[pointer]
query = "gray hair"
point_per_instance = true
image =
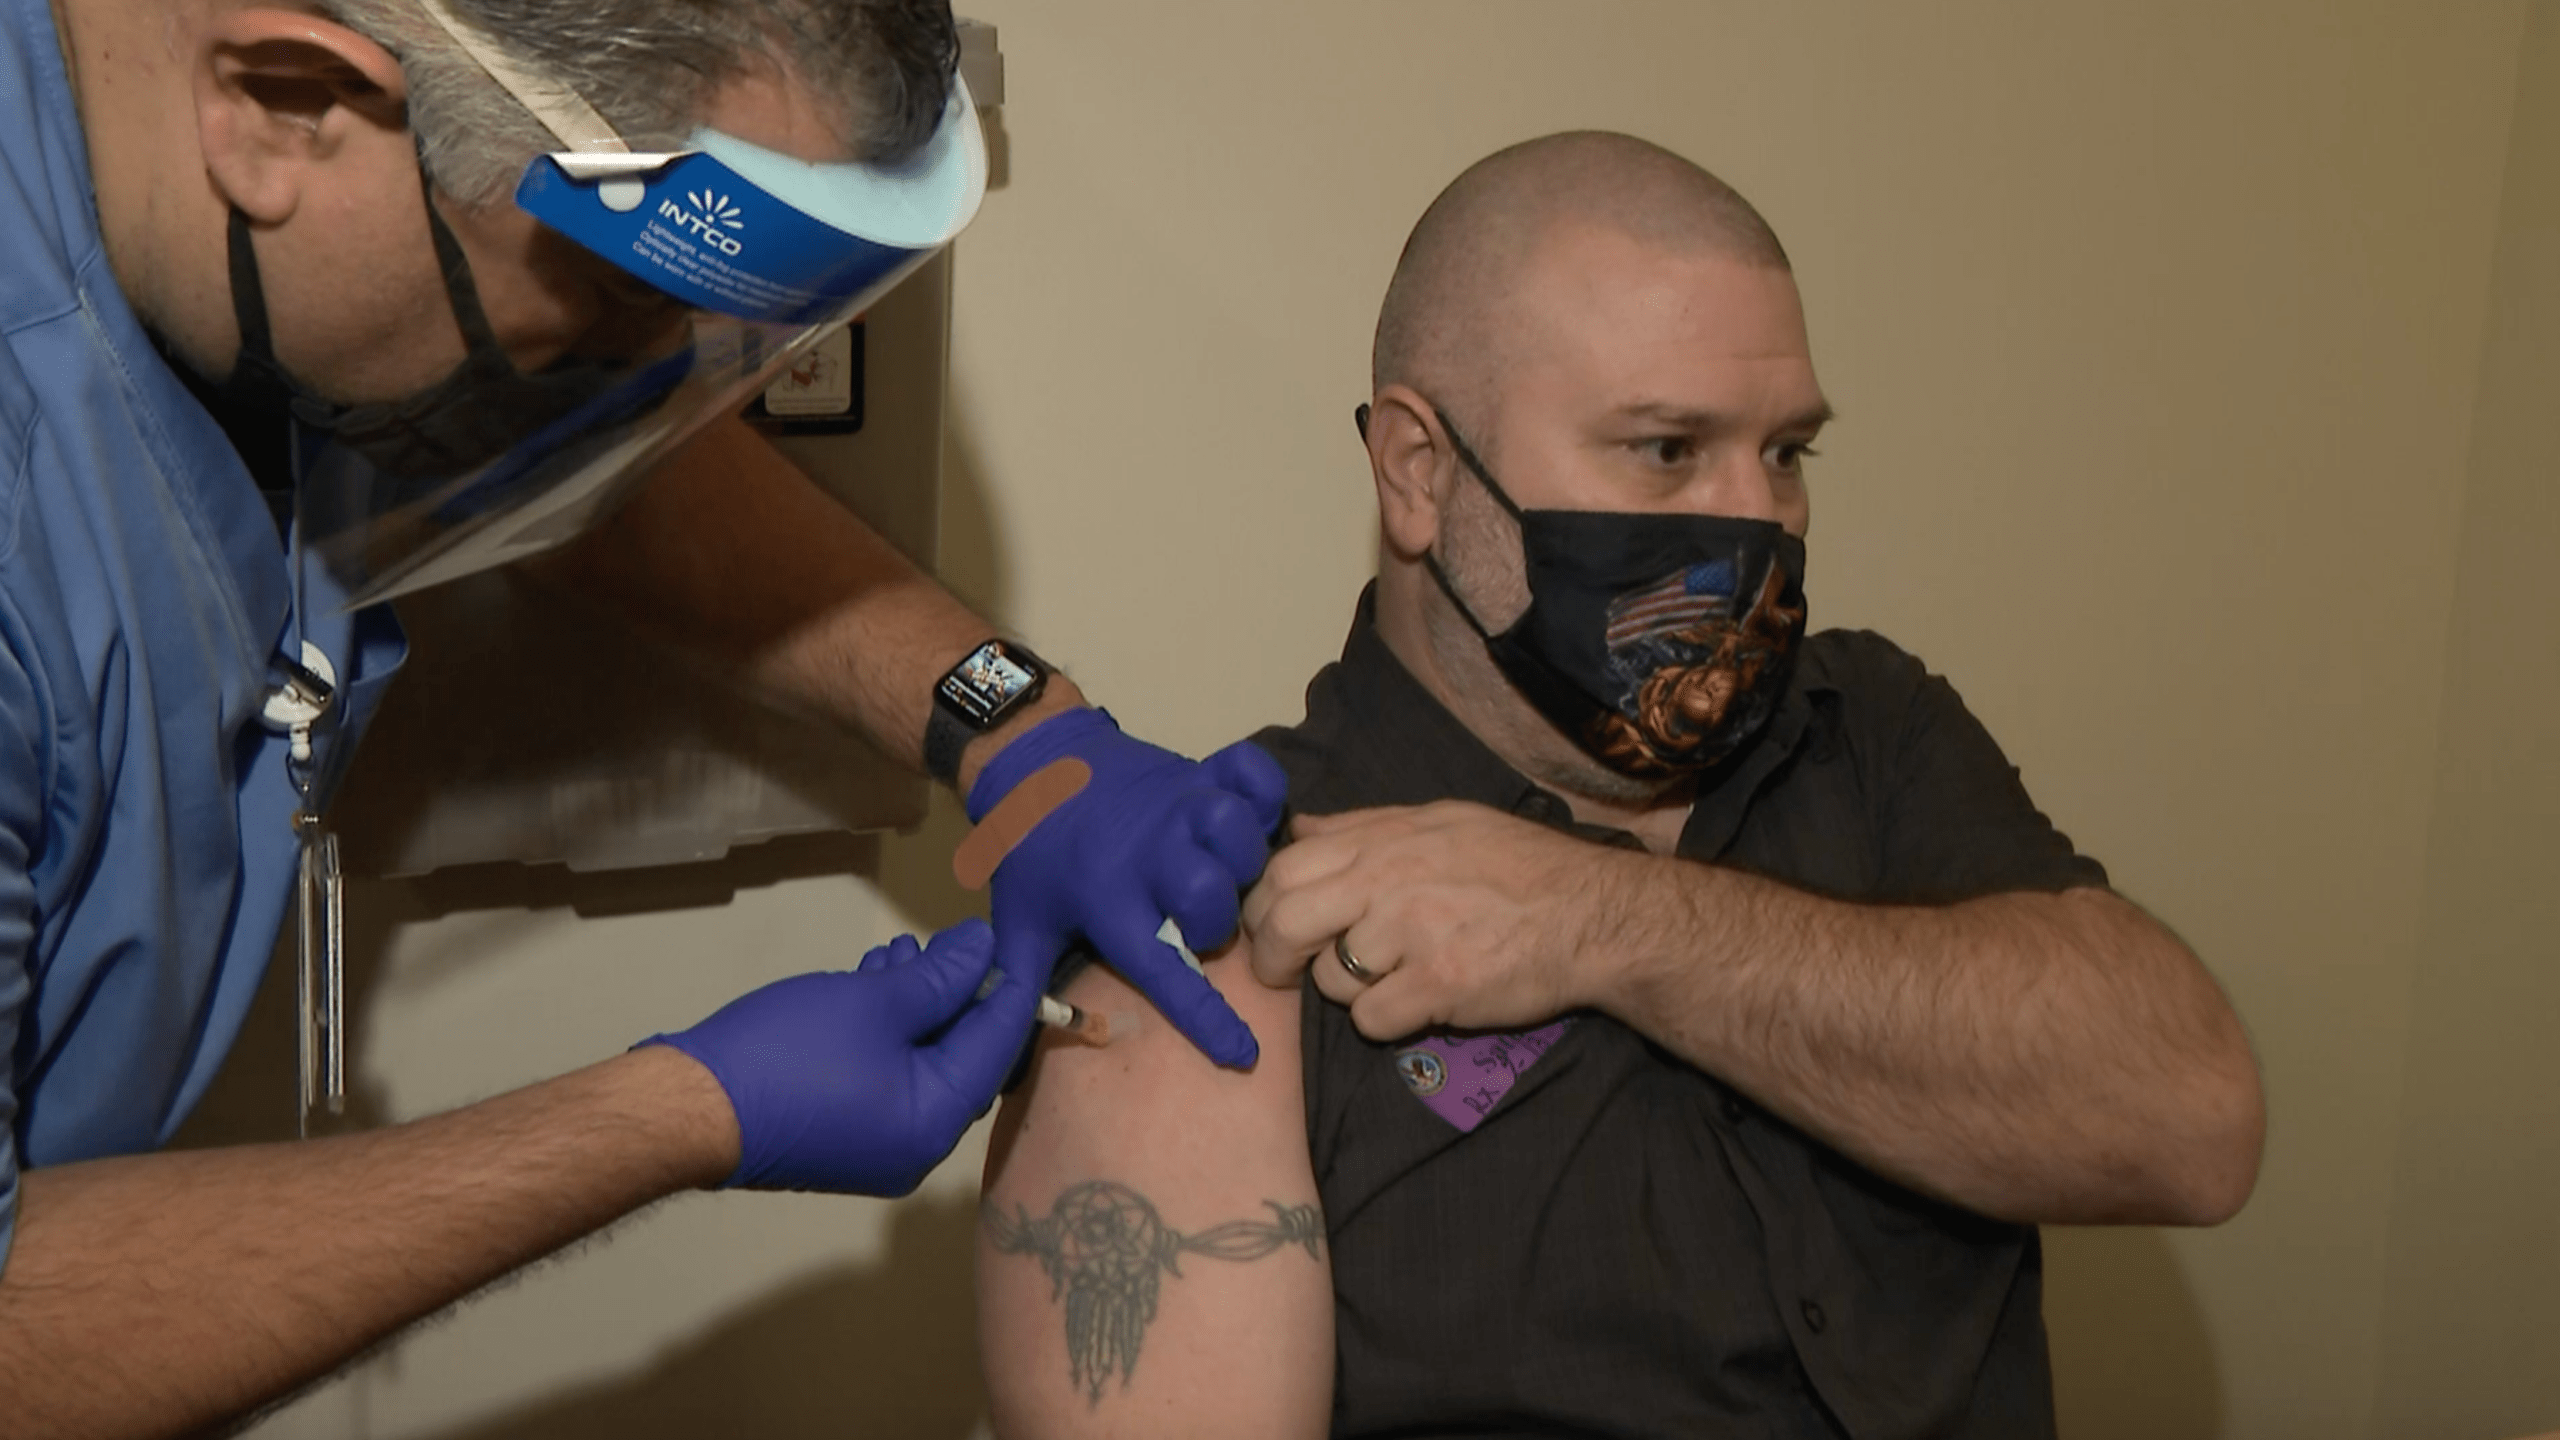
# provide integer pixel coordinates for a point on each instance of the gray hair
(650, 67)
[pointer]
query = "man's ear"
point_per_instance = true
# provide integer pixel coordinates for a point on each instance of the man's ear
(1410, 458)
(278, 93)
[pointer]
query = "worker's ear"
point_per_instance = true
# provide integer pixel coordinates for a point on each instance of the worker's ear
(279, 95)
(1414, 465)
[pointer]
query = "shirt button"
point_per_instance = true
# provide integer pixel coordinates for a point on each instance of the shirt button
(1814, 1319)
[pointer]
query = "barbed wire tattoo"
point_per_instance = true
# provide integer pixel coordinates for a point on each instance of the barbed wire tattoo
(1106, 1251)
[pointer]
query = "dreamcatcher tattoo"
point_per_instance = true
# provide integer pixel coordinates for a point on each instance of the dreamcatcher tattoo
(1105, 1249)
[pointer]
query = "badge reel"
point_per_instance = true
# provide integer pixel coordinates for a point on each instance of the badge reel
(294, 707)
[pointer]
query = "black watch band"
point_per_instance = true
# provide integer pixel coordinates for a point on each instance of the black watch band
(975, 696)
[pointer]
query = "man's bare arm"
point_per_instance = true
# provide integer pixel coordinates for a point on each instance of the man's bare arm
(2042, 1058)
(734, 555)
(163, 1294)
(1151, 1256)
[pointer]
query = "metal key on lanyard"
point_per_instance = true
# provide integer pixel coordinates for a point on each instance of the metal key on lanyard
(320, 904)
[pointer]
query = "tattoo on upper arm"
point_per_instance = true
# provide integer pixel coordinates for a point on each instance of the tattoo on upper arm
(1103, 1246)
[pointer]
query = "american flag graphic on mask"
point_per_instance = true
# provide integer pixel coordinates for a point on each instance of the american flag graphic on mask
(1701, 592)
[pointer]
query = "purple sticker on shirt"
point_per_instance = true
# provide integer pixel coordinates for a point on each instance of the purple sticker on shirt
(1462, 1076)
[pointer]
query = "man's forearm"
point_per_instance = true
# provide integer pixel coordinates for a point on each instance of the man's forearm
(2042, 1058)
(734, 555)
(160, 1294)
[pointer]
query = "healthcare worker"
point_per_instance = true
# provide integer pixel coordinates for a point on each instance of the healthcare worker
(310, 304)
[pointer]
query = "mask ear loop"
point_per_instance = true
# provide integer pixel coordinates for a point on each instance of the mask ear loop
(1484, 477)
(481, 350)
(257, 377)
(1467, 457)
(248, 293)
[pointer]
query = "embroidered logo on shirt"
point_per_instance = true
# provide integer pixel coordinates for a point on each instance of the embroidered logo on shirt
(1462, 1077)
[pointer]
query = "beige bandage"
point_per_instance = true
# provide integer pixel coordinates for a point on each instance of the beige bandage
(974, 862)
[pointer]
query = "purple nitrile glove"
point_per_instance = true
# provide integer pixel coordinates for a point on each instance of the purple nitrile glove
(860, 1082)
(1151, 835)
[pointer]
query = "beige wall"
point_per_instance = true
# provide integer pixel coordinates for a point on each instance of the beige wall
(2471, 1341)
(2158, 335)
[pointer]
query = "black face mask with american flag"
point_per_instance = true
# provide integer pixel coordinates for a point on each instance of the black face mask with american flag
(1660, 644)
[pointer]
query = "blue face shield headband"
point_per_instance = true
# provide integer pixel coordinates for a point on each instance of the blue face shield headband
(757, 255)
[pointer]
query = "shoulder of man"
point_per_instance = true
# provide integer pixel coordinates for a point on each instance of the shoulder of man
(1301, 757)
(1860, 661)
(1866, 689)
(1957, 818)
(1314, 757)
(1876, 688)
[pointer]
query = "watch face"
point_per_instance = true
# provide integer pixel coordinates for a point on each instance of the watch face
(981, 686)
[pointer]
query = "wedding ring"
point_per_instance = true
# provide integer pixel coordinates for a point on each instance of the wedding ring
(1350, 962)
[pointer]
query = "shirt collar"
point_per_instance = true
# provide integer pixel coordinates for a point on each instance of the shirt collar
(203, 474)
(1392, 742)
(1390, 739)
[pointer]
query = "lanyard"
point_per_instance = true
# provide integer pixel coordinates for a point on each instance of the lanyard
(297, 704)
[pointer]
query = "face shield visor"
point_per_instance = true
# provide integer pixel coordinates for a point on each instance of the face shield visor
(736, 260)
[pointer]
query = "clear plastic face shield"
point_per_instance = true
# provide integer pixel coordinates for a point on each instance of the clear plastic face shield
(743, 258)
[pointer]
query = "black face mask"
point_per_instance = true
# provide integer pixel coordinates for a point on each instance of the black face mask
(1660, 644)
(476, 413)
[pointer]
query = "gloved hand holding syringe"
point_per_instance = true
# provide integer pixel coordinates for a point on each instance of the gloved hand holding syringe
(862, 1081)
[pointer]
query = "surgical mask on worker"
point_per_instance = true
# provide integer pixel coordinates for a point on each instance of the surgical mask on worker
(1660, 644)
(458, 425)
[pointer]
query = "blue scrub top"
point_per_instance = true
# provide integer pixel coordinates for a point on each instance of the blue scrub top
(146, 845)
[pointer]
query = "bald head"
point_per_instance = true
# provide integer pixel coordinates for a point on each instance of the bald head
(1442, 329)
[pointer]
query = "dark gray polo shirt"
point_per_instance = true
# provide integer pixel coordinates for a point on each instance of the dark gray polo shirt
(1625, 1245)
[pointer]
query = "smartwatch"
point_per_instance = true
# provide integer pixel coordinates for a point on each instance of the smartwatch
(975, 696)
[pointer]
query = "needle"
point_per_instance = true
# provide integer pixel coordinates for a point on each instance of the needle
(1093, 1029)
